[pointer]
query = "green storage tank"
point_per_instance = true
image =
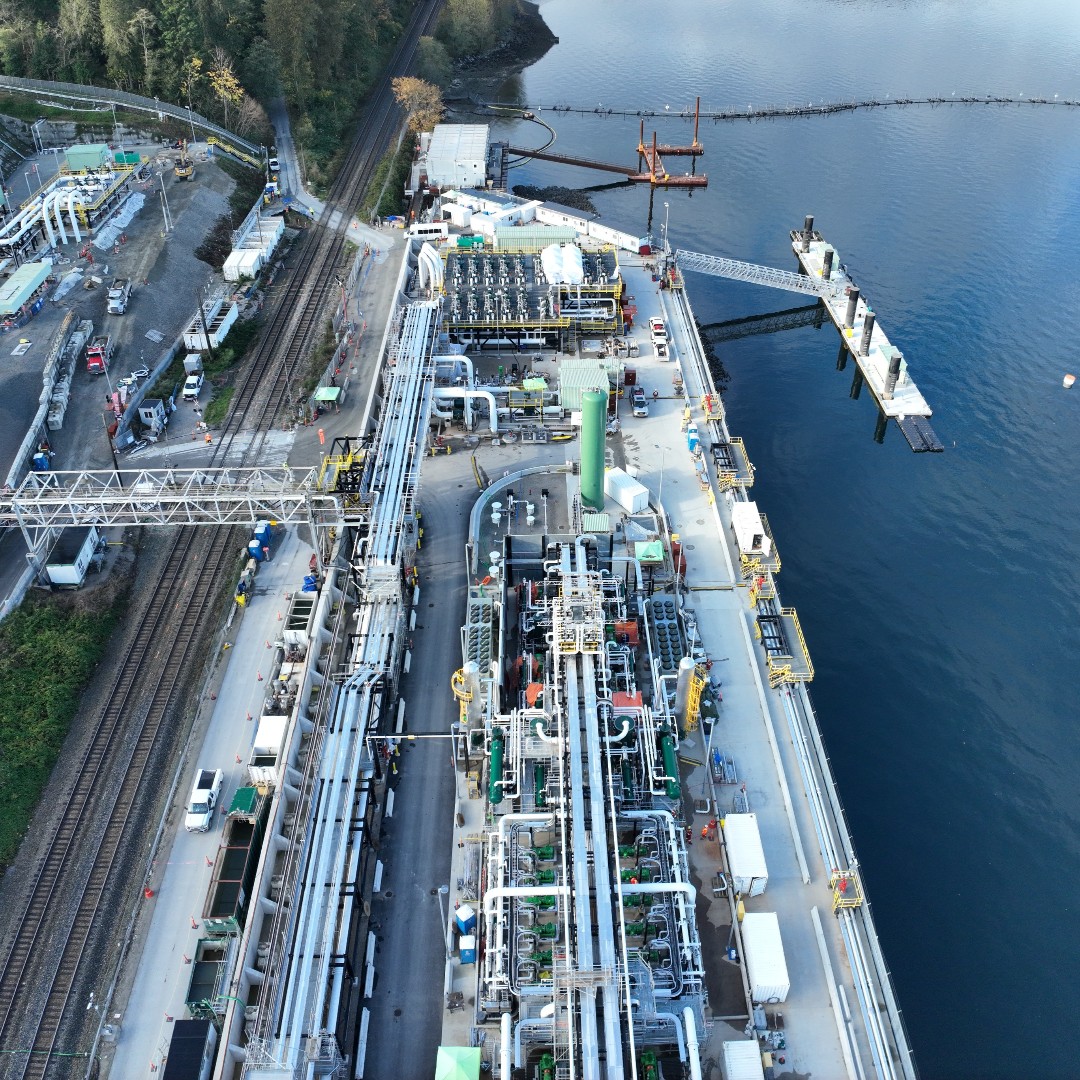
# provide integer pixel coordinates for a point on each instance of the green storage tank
(593, 434)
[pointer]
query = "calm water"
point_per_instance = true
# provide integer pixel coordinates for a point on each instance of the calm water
(938, 593)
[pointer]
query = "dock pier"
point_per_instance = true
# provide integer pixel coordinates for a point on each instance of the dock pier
(879, 363)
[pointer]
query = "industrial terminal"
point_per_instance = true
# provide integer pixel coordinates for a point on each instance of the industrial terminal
(506, 658)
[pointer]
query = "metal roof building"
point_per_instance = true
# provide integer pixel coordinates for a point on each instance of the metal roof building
(457, 155)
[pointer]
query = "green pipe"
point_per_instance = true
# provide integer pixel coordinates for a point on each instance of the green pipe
(628, 779)
(538, 783)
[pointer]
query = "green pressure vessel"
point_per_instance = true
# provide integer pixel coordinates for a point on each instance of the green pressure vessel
(671, 765)
(593, 433)
(495, 775)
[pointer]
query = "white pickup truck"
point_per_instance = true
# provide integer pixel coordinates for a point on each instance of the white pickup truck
(204, 797)
(193, 386)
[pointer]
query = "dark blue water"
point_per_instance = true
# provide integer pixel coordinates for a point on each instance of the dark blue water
(938, 593)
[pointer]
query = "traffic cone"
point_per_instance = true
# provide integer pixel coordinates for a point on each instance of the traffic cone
(148, 892)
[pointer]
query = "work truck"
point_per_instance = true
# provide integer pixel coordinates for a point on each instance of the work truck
(204, 797)
(119, 294)
(99, 354)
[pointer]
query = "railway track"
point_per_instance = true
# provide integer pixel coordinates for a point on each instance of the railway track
(35, 991)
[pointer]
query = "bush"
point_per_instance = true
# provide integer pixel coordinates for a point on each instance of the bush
(49, 648)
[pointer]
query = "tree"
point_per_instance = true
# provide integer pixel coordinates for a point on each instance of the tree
(420, 100)
(142, 26)
(433, 61)
(224, 82)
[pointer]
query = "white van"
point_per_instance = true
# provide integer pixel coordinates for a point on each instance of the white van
(430, 230)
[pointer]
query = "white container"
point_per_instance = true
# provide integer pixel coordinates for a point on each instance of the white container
(742, 1060)
(764, 954)
(625, 490)
(746, 858)
(749, 529)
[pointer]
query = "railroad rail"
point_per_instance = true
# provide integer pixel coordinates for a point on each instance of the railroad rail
(36, 1010)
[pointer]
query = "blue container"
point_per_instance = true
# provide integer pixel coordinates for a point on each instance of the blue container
(468, 949)
(255, 550)
(263, 533)
(465, 919)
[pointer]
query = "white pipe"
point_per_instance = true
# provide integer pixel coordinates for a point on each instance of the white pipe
(692, 1051)
(444, 361)
(456, 392)
(27, 215)
(503, 891)
(504, 1047)
(50, 204)
(44, 211)
(71, 215)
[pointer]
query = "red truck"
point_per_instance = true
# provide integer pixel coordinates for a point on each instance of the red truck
(98, 354)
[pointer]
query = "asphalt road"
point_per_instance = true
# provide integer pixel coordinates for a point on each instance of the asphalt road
(407, 1003)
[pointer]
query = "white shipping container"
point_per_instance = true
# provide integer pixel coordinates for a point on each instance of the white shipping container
(746, 857)
(626, 491)
(742, 1060)
(764, 956)
(231, 270)
(749, 529)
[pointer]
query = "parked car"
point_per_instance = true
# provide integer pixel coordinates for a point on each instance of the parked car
(657, 329)
(639, 402)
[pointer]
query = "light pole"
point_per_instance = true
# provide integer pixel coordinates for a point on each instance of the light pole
(444, 917)
(660, 487)
(29, 190)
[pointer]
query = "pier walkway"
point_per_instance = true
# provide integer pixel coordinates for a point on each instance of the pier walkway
(880, 365)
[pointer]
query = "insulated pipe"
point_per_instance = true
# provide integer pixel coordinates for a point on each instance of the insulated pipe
(504, 1046)
(52, 200)
(72, 218)
(455, 392)
(523, 1025)
(502, 891)
(443, 361)
(673, 1020)
(24, 217)
(692, 1050)
(44, 211)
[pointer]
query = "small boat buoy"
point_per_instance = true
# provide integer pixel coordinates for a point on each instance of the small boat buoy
(1068, 381)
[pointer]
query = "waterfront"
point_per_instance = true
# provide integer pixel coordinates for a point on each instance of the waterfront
(936, 592)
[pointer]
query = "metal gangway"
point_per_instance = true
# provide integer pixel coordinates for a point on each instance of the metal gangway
(735, 270)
